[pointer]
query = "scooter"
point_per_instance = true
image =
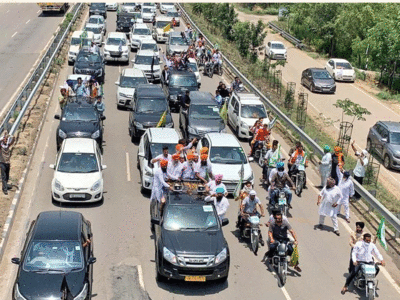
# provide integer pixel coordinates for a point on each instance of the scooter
(259, 153)
(365, 280)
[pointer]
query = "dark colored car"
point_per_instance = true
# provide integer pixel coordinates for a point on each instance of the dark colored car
(54, 263)
(149, 104)
(79, 119)
(318, 80)
(190, 244)
(201, 117)
(98, 9)
(384, 140)
(90, 63)
(125, 21)
(176, 86)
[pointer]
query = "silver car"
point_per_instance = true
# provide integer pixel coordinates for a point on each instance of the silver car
(177, 43)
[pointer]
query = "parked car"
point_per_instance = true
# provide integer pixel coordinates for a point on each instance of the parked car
(116, 47)
(130, 7)
(151, 144)
(276, 50)
(178, 83)
(125, 22)
(149, 104)
(174, 14)
(90, 63)
(201, 117)
(227, 157)
(98, 20)
(244, 109)
(98, 9)
(53, 260)
(340, 70)
(177, 43)
(149, 63)
(112, 6)
(150, 44)
(148, 14)
(139, 32)
(128, 81)
(98, 33)
(77, 42)
(78, 172)
(189, 241)
(195, 69)
(318, 80)
(79, 119)
(384, 140)
(158, 29)
(165, 7)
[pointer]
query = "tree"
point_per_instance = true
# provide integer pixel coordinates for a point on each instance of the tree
(349, 108)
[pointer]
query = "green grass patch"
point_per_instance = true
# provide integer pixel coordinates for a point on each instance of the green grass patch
(260, 12)
(385, 95)
(360, 75)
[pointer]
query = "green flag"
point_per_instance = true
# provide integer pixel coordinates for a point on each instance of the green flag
(163, 120)
(224, 111)
(236, 193)
(381, 234)
(294, 259)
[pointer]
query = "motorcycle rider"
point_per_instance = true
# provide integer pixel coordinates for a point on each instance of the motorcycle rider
(223, 91)
(278, 181)
(248, 208)
(220, 202)
(325, 165)
(217, 59)
(298, 157)
(260, 137)
(272, 157)
(362, 254)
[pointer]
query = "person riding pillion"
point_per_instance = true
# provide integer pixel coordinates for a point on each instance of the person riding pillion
(279, 180)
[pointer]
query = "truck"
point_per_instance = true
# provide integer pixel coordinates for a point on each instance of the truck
(53, 7)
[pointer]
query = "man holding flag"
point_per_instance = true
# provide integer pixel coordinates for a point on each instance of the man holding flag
(273, 156)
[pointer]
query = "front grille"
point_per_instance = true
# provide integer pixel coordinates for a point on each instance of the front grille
(196, 261)
(115, 53)
(79, 134)
(279, 56)
(71, 196)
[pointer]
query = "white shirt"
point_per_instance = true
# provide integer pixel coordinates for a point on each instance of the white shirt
(285, 220)
(363, 251)
(330, 196)
(159, 184)
(273, 172)
(213, 186)
(347, 189)
(220, 206)
(162, 157)
(203, 170)
(174, 170)
(188, 170)
(359, 170)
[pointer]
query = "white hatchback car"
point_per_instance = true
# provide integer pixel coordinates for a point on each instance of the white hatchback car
(150, 44)
(150, 146)
(148, 13)
(276, 50)
(98, 33)
(139, 32)
(78, 172)
(98, 20)
(340, 70)
(227, 158)
(128, 81)
(116, 47)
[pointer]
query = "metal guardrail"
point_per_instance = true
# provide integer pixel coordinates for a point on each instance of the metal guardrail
(372, 201)
(26, 95)
(287, 36)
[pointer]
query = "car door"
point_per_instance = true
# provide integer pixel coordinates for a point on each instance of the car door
(231, 105)
(330, 66)
(383, 141)
(235, 118)
(141, 151)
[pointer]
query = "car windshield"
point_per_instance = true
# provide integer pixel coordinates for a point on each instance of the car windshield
(78, 163)
(146, 46)
(129, 4)
(97, 5)
(146, 10)
(146, 60)
(172, 14)
(227, 155)
(395, 138)
(84, 114)
(178, 40)
(170, 4)
(253, 111)
(95, 30)
(95, 21)
(151, 105)
(75, 41)
(321, 75)
(204, 112)
(193, 67)
(116, 41)
(178, 80)
(88, 57)
(56, 256)
(162, 24)
(156, 148)
(277, 46)
(131, 82)
(142, 31)
(190, 217)
(343, 65)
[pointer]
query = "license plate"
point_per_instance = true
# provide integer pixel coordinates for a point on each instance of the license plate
(301, 168)
(326, 90)
(282, 201)
(195, 278)
(80, 196)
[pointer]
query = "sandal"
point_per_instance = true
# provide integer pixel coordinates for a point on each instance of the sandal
(343, 291)
(297, 268)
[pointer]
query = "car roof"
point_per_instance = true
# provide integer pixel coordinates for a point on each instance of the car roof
(116, 35)
(181, 72)
(201, 98)
(145, 53)
(317, 69)
(76, 76)
(177, 198)
(223, 139)
(93, 25)
(132, 72)
(58, 225)
(391, 126)
(276, 42)
(77, 33)
(148, 41)
(96, 16)
(163, 135)
(149, 90)
(79, 145)
(247, 97)
(141, 25)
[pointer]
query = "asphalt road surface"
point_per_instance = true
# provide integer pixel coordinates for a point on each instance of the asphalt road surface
(124, 245)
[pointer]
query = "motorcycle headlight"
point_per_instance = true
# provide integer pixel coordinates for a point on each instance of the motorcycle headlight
(17, 294)
(62, 134)
(58, 186)
(221, 256)
(96, 134)
(192, 130)
(138, 125)
(83, 294)
(169, 256)
(96, 186)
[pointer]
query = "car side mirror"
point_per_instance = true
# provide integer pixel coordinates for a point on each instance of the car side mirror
(384, 140)
(52, 166)
(225, 222)
(251, 159)
(103, 167)
(117, 83)
(92, 260)
(159, 49)
(57, 117)
(15, 260)
(102, 118)
(199, 85)
(155, 221)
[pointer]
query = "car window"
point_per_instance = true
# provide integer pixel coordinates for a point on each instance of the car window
(227, 155)
(253, 111)
(178, 40)
(116, 41)
(204, 112)
(395, 138)
(236, 107)
(146, 60)
(378, 128)
(343, 65)
(95, 30)
(149, 106)
(189, 217)
(147, 46)
(84, 114)
(75, 41)
(233, 101)
(178, 80)
(95, 21)
(131, 82)
(323, 74)
(278, 46)
(193, 67)
(384, 133)
(142, 31)
(156, 148)
(88, 57)
(162, 24)
(173, 14)
(78, 163)
(146, 10)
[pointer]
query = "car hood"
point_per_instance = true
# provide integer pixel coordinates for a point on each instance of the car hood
(250, 121)
(178, 48)
(194, 242)
(77, 180)
(323, 82)
(152, 118)
(176, 90)
(161, 31)
(207, 125)
(34, 286)
(231, 172)
(141, 37)
(97, 36)
(115, 48)
(127, 91)
(78, 126)
(156, 67)
(278, 51)
(147, 15)
(74, 48)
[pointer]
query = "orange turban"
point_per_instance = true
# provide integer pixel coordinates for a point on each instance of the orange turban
(179, 147)
(204, 157)
(204, 150)
(164, 163)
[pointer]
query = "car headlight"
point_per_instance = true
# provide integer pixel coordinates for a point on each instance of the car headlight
(169, 256)
(221, 256)
(17, 294)
(138, 125)
(396, 154)
(170, 125)
(96, 186)
(96, 134)
(62, 134)
(244, 125)
(58, 186)
(124, 95)
(83, 294)
(192, 130)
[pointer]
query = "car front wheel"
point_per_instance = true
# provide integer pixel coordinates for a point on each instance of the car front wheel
(386, 162)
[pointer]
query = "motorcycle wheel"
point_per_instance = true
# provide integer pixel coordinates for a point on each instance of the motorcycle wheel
(220, 71)
(261, 162)
(371, 291)
(282, 274)
(254, 243)
(210, 72)
(299, 184)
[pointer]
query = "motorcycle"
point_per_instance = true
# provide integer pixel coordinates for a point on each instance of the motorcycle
(209, 69)
(279, 261)
(252, 231)
(365, 280)
(299, 178)
(260, 152)
(282, 202)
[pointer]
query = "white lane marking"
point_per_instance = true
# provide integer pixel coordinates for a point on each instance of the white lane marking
(285, 293)
(140, 274)
(14, 34)
(28, 21)
(39, 11)
(128, 169)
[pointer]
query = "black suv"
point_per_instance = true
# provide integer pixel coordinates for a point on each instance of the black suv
(201, 117)
(55, 262)
(148, 105)
(90, 63)
(125, 21)
(179, 81)
(98, 9)
(189, 241)
(79, 119)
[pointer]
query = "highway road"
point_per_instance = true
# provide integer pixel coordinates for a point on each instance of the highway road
(25, 32)
(124, 245)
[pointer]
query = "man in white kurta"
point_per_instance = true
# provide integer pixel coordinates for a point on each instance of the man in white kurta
(221, 203)
(174, 169)
(346, 187)
(325, 165)
(160, 185)
(328, 200)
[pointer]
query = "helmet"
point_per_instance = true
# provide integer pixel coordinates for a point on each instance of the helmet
(280, 165)
(327, 148)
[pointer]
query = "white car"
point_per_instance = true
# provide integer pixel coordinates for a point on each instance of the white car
(340, 70)
(99, 20)
(276, 50)
(140, 31)
(227, 158)
(149, 63)
(164, 7)
(150, 146)
(78, 172)
(77, 43)
(112, 6)
(244, 109)
(158, 29)
(173, 13)
(152, 5)
(127, 83)
(148, 14)
(193, 66)
(128, 7)
(150, 44)
(98, 33)
(116, 47)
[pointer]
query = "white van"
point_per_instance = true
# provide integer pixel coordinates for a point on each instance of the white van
(77, 43)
